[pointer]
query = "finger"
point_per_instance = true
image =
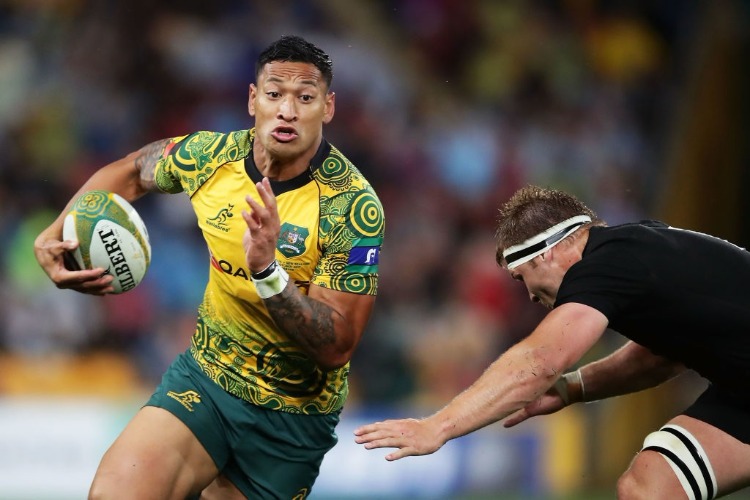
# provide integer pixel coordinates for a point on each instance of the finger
(403, 452)
(371, 437)
(251, 220)
(68, 245)
(252, 216)
(386, 442)
(255, 207)
(516, 418)
(262, 216)
(53, 251)
(84, 277)
(92, 282)
(99, 286)
(366, 429)
(266, 194)
(379, 429)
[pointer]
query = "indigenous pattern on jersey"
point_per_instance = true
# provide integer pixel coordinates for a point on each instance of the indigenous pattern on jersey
(682, 294)
(332, 229)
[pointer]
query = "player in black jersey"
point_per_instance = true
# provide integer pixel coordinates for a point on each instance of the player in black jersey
(680, 297)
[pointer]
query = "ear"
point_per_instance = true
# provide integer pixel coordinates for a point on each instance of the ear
(557, 256)
(330, 107)
(253, 94)
(547, 254)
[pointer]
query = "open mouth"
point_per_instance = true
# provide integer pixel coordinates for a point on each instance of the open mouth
(284, 134)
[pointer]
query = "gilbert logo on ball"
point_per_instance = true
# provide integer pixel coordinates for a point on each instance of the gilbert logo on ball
(111, 235)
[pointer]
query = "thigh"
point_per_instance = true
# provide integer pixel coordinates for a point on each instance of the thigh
(278, 454)
(727, 457)
(222, 489)
(156, 456)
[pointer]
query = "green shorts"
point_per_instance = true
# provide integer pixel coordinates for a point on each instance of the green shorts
(265, 453)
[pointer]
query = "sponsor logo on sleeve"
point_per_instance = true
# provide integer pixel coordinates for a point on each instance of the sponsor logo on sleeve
(364, 257)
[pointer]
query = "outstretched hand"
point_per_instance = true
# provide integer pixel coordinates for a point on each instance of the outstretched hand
(50, 253)
(410, 436)
(549, 402)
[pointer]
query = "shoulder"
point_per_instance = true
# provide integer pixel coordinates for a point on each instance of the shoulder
(337, 174)
(203, 147)
(624, 236)
(343, 184)
(191, 159)
(345, 194)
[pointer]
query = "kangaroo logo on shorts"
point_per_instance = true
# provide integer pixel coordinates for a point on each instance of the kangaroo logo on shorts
(301, 494)
(186, 398)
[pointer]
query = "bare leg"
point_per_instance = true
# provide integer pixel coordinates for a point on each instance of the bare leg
(651, 477)
(155, 457)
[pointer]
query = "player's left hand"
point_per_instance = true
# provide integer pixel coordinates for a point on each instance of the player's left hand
(263, 228)
(410, 436)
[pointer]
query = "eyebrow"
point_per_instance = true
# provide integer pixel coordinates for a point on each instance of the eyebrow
(276, 79)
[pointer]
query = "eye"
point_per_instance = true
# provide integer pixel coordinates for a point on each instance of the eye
(273, 94)
(306, 98)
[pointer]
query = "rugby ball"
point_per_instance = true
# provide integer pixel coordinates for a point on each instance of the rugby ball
(110, 235)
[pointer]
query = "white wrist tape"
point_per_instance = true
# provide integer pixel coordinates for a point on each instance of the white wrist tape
(273, 284)
(583, 388)
(563, 387)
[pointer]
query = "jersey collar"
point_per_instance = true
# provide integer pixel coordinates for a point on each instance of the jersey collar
(279, 187)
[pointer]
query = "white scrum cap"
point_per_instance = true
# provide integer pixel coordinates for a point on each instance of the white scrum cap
(516, 255)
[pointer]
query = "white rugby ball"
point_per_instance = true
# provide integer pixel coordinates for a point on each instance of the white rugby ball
(111, 235)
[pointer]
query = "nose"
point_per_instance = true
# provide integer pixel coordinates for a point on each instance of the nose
(287, 109)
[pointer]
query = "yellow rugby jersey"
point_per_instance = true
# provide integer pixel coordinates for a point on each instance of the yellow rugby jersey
(332, 228)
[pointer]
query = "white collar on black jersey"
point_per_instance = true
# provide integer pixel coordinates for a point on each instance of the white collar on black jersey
(536, 245)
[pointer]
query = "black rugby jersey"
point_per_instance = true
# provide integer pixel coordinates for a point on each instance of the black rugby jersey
(682, 294)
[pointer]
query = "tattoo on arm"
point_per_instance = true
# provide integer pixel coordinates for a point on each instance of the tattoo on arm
(146, 160)
(308, 322)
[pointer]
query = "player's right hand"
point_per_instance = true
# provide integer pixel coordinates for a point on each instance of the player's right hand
(549, 402)
(411, 437)
(50, 254)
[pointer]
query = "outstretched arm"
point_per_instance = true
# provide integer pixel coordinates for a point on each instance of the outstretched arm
(130, 177)
(631, 368)
(519, 376)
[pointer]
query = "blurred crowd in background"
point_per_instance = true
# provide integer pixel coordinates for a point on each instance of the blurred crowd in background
(447, 106)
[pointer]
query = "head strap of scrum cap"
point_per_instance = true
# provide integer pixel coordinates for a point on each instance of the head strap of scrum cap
(523, 252)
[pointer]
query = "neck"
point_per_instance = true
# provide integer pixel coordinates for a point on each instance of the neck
(575, 249)
(278, 168)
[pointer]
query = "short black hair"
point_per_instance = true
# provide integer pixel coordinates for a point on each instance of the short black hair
(292, 48)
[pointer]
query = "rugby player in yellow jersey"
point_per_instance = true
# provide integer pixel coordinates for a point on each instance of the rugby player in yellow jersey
(294, 232)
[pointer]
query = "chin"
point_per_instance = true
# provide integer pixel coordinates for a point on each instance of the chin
(284, 151)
